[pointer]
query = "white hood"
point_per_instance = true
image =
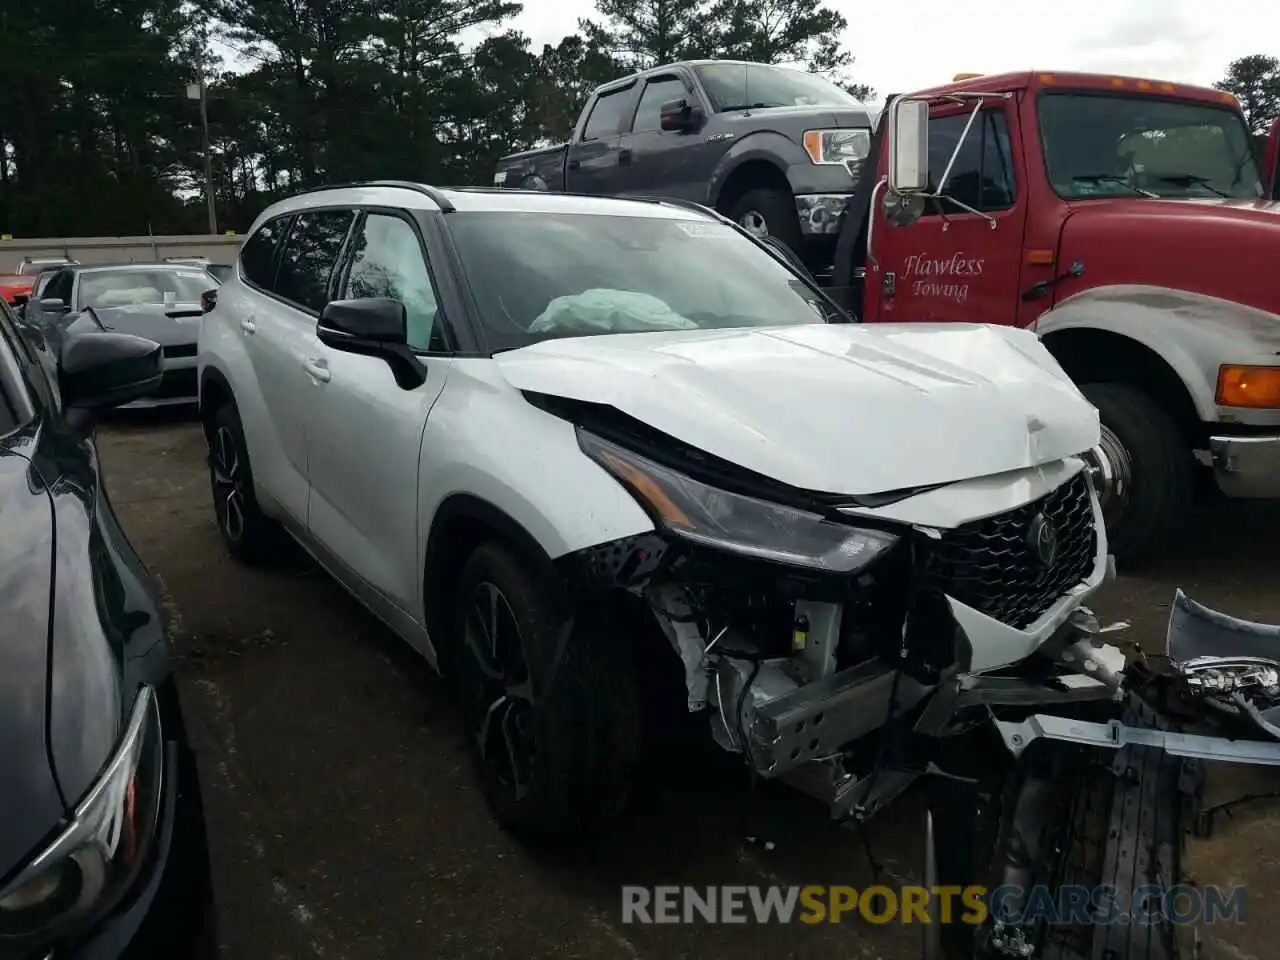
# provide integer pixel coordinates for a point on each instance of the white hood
(835, 408)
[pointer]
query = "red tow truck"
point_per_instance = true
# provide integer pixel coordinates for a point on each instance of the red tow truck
(1128, 223)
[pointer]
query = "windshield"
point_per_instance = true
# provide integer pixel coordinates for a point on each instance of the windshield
(1104, 145)
(539, 275)
(120, 288)
(739, 86)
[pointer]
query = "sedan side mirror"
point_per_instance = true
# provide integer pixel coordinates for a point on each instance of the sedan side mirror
(373, 327)
(99, 370)
(53, 305)
(679, 116)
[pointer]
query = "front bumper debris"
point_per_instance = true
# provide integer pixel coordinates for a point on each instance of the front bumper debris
(1247, 467)
(1115, 736)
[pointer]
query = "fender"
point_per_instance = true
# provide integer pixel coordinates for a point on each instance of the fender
(1191, 332)
(766, 145)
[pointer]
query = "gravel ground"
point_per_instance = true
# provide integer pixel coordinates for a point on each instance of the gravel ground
(345, 821)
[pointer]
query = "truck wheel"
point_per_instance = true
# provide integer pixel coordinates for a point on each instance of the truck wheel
(250, 536)
(1142, 468)
(769, 213)
(551, 703)
(1102, 820)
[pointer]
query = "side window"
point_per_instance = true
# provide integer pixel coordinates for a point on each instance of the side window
(257, 256)
(32, 357)
(656, 92)
(60, 286)
(606, 115)
(388, 262)
(982, 176)
(12, 365)
(309, 255)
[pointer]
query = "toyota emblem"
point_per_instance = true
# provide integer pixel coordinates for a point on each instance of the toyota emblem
(1042, 539)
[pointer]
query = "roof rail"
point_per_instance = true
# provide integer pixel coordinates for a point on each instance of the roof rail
(440, 200)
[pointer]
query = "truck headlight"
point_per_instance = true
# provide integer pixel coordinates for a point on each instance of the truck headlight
(702, 514)
(96, 857)
(837, 146)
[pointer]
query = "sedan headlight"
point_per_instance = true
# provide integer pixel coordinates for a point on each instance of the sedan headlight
(837, 146)
(698, 513)
(94, 860)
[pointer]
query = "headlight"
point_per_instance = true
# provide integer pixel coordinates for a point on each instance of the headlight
(739, 524)
(96, 857)
(837, 146)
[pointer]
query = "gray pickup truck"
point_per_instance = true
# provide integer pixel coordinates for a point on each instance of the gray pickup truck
(777, 150)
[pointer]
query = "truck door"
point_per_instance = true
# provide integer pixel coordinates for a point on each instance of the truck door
(591, 162)
(667, 163)
(953, 265)
(1271, 163)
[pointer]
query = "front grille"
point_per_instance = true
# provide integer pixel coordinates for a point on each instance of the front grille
(991, 564)
(179, 350)
(176, 383)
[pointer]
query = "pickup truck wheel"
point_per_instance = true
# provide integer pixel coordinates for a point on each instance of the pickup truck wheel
(250, 536)
(1142, 469)
(551, 705)
(769, 213)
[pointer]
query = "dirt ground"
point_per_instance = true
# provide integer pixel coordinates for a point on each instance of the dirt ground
(345, 821)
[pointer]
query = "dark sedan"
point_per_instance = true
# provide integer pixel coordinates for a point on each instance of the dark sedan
(159, 301)
(102, 838)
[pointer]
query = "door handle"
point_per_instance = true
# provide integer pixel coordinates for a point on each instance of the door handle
(316, 369)
(624, 157)
(248, 326)
(574, 163)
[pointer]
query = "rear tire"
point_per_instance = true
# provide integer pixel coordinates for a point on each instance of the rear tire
(552, 708)
(249, 535)
(1156, 467)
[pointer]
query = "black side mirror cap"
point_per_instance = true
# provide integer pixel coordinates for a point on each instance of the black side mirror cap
(53, 305)
(679, 116)
(372, 327)
(20, 299)
(99, 370)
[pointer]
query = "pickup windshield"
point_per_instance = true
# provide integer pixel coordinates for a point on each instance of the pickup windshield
(535, 276)
(754, 86)
(1104, 145)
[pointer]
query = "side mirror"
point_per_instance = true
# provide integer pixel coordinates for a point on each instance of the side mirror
(372, 327)
(208, 300)
(909, 146)
(99, 370)
(679, 116)
(53, 305)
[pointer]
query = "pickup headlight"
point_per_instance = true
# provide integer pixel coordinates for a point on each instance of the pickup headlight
(95, 859)
(837, 146)
(693, 511)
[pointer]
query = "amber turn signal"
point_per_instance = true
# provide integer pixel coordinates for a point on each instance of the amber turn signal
(1244, 385)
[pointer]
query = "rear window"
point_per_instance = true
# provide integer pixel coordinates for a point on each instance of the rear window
(124, 288)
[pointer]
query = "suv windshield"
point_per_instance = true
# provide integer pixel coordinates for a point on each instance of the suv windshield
(741, 86)
(541, 275)
(1102, 145)
(121, 288)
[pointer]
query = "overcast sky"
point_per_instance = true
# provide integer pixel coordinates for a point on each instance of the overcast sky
(903, 45)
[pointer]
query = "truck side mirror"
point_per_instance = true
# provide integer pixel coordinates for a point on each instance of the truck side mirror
(909, 146)
(1271, 163)
(679, 116)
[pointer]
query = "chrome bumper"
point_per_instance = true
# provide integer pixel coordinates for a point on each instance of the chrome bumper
(1247, 467)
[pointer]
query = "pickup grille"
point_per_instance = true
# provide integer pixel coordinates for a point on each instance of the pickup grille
(992, 565)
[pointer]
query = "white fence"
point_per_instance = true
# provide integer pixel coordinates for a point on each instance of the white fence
(219, 249)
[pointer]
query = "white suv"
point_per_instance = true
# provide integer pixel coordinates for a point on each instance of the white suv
(566, 446)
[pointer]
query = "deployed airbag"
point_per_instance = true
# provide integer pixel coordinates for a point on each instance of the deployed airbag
(609, 311)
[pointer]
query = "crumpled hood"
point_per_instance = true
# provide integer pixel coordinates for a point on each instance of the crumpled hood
(836, 408)
(168, 325)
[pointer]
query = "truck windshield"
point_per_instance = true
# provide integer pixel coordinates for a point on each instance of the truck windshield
(742, 86)
(1102, 145)
(540, 275)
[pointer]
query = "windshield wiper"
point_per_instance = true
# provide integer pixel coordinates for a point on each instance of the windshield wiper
(750, 106)
(1114, 178)
(1192, 180)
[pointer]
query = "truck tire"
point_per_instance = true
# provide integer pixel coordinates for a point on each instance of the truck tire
(552, 708)
(768, 212)
(1118, 820)
(1152, 460)
(249, 535)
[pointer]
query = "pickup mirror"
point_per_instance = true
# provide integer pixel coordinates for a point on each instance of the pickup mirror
(909, 146)
(1271, 163)
(101, 369)
(372, 327)
(679, 116)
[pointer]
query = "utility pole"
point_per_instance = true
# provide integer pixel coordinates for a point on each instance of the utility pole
(198, 91)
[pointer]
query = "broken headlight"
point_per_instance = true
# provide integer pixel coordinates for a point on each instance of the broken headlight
(95, 858)
(702, 514)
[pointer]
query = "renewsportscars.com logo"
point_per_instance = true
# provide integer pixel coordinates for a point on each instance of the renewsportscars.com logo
(814, 904)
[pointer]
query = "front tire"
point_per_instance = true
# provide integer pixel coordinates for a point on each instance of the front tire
(772, 213)
(1144, 469)
(550, 701)
(249, 535)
